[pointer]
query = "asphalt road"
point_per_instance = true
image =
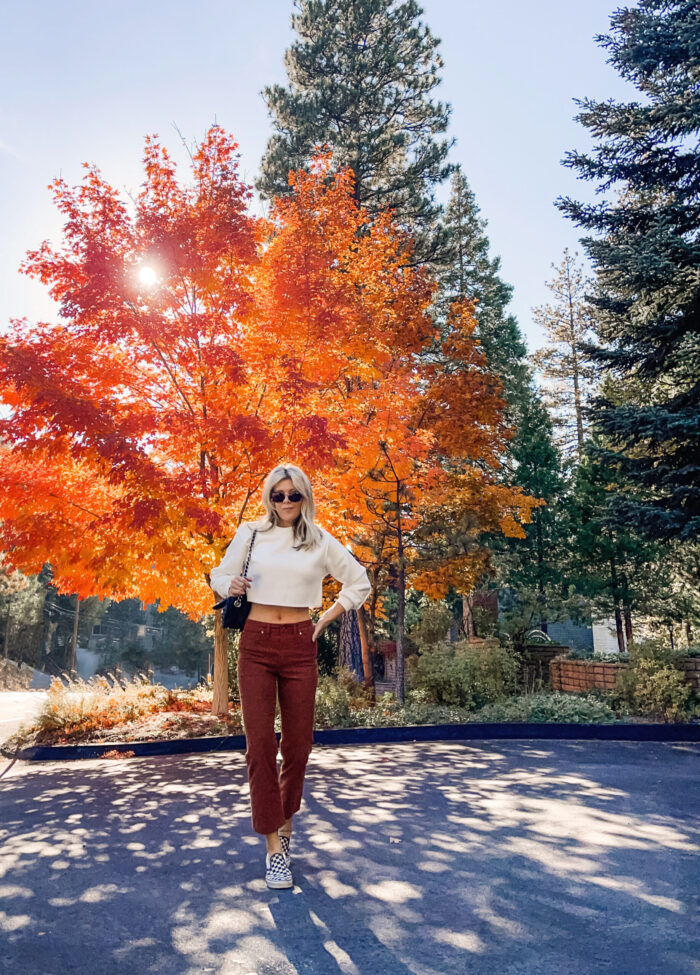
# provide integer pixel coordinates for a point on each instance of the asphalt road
(494, 858)
(16, 708)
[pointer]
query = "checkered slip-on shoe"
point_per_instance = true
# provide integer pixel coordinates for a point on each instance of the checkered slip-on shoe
(285, 840)
(277, 873)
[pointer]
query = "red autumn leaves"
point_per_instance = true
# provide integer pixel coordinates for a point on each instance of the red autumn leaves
(144, 419)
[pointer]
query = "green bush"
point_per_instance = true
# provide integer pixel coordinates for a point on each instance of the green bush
(541, 708)
(389, 714)
(338, 695)
(332, 704)
(435, 622)
(663, 691)
(460, 676)
(549, 709)
(653, 682)
(601, 656)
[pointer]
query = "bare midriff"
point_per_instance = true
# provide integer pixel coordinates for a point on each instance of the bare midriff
(278, 614)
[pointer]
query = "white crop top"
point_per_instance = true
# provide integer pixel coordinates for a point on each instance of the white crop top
(283, 576)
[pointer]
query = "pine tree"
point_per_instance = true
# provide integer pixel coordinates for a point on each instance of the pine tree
(531, 572)
(615, 568)
(565, 364)
(645, 249)
(467, 271)
(674, 598)
(13, 584)
(361, 74)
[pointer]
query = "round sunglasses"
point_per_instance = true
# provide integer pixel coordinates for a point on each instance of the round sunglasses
(279, 496)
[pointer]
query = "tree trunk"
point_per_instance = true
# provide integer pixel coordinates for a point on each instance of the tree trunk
(367, 668)
(370, 614)
(219, 704)
(400, 605)
(626, 606)
(400, 618)
(74, 649)
(615, 586)
(618, 629)
(575, 368)
(540, 568)
(468, 615)
(628, 622)
(350, 645)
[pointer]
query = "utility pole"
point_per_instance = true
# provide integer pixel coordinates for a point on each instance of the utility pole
(74, 653)
(7, 628)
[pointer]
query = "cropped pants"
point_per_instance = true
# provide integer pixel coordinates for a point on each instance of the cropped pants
(277, 659)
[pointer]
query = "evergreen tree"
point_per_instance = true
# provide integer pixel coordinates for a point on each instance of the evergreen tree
(525, 569)
(619, 571)
(183, 643)
(565, 365)
(536, 467)
(361, 74)
(531, 572)
(671, 583)
(468, 271)
(21, 602)
(645, 249)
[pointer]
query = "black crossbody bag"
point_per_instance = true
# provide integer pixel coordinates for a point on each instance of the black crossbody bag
(236, 608)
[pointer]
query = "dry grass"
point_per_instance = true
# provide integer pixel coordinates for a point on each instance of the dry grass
(110, 708)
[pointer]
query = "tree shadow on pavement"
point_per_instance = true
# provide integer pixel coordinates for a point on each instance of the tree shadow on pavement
(511, 858)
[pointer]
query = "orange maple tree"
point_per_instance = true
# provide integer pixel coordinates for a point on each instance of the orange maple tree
(420, 414)
(432, 492)
(196, 347)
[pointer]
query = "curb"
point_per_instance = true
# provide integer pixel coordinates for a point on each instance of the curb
(368, 736)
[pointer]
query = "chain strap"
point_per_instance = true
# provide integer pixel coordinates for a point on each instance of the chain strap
(239, 599)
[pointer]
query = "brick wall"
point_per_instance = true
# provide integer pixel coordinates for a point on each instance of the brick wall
(691, 666)
(571, 676)
(583, 675)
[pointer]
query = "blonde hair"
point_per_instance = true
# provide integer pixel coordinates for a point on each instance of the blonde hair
(306, 533)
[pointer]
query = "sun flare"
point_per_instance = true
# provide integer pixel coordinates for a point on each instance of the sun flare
(147, 276)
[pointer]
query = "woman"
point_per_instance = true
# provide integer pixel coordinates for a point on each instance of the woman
(277, 651)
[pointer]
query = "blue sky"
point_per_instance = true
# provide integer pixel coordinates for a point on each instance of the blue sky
(86, 81)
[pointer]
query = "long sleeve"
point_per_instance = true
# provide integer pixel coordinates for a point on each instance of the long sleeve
(233, 561)
(348, 571)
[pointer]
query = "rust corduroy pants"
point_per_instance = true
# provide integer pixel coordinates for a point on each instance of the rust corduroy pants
(277, 659)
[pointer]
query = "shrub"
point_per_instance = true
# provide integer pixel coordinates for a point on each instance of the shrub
(459, 676)
(653, 682)
(389, 713)
(550, 708)
(541, 708)
(436, 620)
(100, 702)
(599, 656)
(78, 708)
(337, 696)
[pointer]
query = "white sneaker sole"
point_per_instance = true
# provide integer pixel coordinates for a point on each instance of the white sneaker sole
(279, 884)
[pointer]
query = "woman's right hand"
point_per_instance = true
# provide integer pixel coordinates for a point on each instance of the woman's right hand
(238, 586)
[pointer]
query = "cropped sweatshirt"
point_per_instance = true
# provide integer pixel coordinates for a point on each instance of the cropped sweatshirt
(283, 576)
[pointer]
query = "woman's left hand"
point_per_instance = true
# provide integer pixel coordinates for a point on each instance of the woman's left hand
(319, 628)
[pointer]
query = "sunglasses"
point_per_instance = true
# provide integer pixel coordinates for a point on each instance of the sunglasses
(279, 496)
